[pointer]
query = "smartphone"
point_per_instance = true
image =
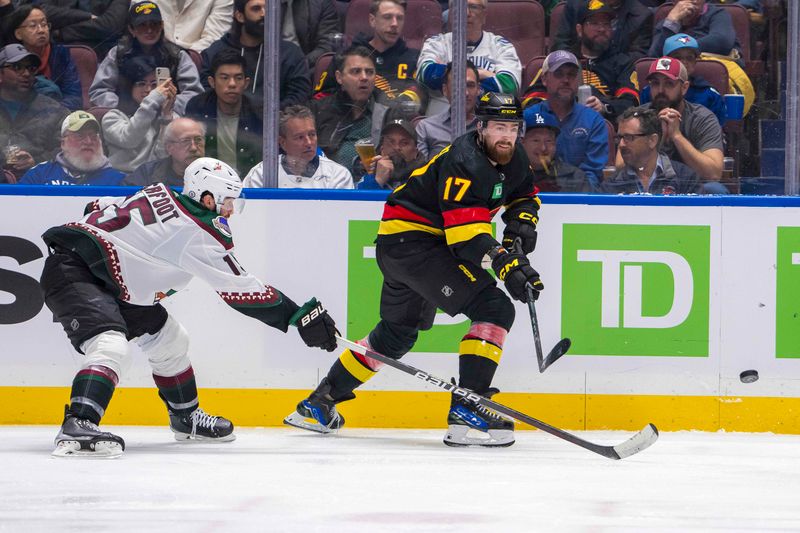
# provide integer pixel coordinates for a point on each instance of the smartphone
(162, 74)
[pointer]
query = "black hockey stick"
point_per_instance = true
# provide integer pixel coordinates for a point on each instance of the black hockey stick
(643, 439)
(561, 347)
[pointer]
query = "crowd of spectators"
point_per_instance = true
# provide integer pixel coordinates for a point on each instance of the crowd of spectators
(180, 79)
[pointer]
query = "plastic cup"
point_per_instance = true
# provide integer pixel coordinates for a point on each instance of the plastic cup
(366, 151)
(734, 106)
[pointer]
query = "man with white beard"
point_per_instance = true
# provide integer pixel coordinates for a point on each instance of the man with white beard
(81, 160)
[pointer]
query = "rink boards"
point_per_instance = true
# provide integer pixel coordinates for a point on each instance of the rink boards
(666, 302)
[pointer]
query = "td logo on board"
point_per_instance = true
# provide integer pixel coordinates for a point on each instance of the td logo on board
(636, 289)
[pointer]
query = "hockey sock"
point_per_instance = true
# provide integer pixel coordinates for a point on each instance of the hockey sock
(92, 389)
(479, 355)
(178, 392)
(351, 371)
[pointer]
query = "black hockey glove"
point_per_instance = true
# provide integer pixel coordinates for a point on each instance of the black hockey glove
(515, 271)
(315, 325)
(520, 224)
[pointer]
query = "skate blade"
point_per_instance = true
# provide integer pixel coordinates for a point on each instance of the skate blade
(102, 450)
(299, 421)
(463, 436)
(187, 437)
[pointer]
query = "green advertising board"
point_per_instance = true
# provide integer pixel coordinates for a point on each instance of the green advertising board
(787, 304)
(636, 289)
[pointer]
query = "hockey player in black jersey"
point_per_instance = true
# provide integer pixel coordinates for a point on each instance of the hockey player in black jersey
(434, 234)
(103, 281)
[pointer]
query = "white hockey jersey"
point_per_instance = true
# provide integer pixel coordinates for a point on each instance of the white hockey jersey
(151, 244)
(493, 53)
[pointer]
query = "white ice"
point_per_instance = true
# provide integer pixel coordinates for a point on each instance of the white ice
(399, 481)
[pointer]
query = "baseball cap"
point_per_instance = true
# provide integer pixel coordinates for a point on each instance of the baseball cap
(400, 123)
(14, 53)
(541, 120)
(678, 41)
(669, 67)
(141, 12)
(593, 7)
(77, 120)
(558, 59)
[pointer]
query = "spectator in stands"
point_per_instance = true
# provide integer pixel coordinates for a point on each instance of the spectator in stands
(146, 37)
(134, 131)
(6, 8)
(233, 121)
(685, 49)
(691, 133)
(29, 122)
(246, 38)
(499, 68)
(436, 132)
(611, 75)
(311, 26)
(195, 25)
(395, 63)
(646, 170)
(397, 157)
(550, 173)
(81, 160)
(632, 27)
(710, 25)
(300, 164)
(98, 24)
(184, 141)
(583, 137)
(57, 76)
(349, 113)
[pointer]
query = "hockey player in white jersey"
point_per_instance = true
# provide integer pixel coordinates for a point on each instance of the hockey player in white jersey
(103, 281)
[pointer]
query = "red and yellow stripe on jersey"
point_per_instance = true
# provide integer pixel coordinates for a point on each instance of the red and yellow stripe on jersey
(463, 224)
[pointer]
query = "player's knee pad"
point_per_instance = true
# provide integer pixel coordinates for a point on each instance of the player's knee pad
(392, 340)
(108, 349)
(492, 305)
(167, 350)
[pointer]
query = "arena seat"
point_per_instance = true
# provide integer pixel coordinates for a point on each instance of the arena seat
(529, 70)
(423, 20)
(86, 62)
(555, 21)
(612, 144)
(521, 22)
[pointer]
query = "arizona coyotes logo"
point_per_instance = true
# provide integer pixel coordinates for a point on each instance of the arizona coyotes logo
(664, 63)
(218, 166)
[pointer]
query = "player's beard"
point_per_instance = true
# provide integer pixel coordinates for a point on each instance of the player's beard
(501, 156)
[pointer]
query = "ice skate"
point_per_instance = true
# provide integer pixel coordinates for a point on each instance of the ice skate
(470, 424)
(201, 426)
(79, 437)
(318, 411)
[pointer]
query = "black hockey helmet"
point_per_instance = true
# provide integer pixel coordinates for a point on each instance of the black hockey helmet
(498, 106)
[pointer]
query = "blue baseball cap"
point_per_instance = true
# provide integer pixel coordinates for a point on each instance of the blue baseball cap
(678, 41)
(541, 120)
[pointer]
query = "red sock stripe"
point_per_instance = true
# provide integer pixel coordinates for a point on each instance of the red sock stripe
(488, 332)
(173, 381)
(102, 371)
(368, 362)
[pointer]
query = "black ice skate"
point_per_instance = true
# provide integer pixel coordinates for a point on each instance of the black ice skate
(82, 437)
(470, 424)
(201, 426)
(318, 411)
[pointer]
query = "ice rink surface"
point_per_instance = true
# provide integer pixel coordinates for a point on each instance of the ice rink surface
(366, 480)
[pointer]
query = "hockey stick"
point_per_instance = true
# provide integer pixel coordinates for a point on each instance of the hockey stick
(643, 439)
(561, 347)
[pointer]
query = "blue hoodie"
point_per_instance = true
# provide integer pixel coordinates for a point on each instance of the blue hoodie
(58, 172)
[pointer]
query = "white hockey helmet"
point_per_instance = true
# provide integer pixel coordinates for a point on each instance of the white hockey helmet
(216, 177)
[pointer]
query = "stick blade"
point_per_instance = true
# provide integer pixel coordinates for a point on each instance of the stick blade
(555, 354)
(641, 441)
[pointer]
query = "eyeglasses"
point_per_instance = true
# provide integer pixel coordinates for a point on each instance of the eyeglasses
(33, 26)
(16, 67)
(476, 8)
(84, 135)
(605, 25)
(146, 84)
(629, 137)
(188, 141)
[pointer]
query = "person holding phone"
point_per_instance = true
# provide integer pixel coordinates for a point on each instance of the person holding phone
(145, 37)
(134, 132)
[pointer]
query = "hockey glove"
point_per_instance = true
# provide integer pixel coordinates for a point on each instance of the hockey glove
(520, 224)
(315, 325)
(515, 271)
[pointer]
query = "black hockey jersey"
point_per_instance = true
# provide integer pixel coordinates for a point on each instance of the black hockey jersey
(455, 196)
